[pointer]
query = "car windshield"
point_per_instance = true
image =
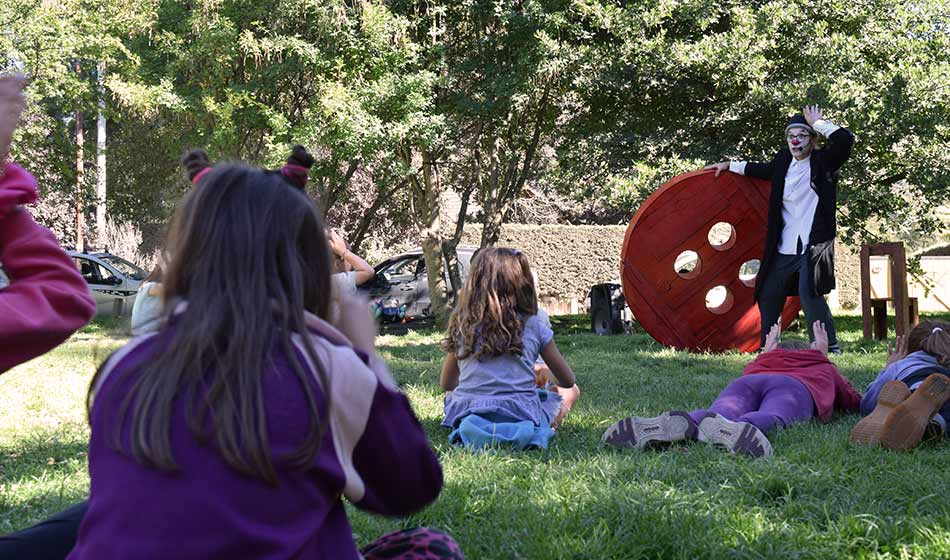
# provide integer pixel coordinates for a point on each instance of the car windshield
(125, 267)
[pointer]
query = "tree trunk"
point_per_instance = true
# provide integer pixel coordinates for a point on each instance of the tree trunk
(430, 207)
(449, 246)
(101, 159)
(366, 220)
(491, 230)
(80, 179)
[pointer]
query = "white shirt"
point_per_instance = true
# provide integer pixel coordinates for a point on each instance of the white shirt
(344, 283)
(799, 199)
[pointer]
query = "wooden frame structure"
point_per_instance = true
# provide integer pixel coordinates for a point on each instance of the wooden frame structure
(874, 310)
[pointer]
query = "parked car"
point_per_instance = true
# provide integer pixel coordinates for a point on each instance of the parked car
(400, 290)
(113, 281)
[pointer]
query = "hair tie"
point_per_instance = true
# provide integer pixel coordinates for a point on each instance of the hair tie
(199, 175)
(936, 329)
(297, 175)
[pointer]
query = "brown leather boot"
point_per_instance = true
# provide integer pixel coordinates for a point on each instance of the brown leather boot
(869, 429)
(904, 428)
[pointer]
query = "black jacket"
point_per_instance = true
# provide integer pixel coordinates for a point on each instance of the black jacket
(825, 163)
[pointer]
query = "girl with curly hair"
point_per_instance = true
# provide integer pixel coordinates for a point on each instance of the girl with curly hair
(494, 337)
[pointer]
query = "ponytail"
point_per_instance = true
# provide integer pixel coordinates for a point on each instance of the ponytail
(937, 344)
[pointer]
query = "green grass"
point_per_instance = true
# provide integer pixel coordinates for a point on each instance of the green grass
(818, 497)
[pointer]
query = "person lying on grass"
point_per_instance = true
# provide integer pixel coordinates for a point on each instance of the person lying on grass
(495, 336)
(43, 298)
(788, 382)
(910, 399)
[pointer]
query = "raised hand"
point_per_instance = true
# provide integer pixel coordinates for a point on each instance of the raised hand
(812, 114)
(719, 167)
(898, 350)
(12, 104)
(772, 339)
(821, 337)
(337, 244)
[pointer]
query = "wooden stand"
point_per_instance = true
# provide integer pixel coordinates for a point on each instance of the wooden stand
(874, 310)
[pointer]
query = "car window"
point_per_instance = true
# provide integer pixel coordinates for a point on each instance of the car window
(93, 272)
(88, 269)
(105, 275)
(401, 268)
(125, 267)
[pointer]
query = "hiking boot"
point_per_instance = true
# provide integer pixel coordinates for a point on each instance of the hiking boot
(905, 427)
(638, 432)
(869, 429)
(736, 437)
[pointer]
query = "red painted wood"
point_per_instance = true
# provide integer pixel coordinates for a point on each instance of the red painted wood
(677, 218)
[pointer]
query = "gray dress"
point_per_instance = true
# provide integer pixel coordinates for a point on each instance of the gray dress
(504, 387)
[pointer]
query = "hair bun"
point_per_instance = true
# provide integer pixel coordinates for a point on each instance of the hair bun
(194, 162)
(300, 156)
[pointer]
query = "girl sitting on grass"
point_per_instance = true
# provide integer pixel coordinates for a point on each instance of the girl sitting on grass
(911, 396)
(788, 382)
(494, 338)
(236, 429)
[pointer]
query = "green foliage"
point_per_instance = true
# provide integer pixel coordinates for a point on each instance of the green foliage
(402, 100)
(698, 81)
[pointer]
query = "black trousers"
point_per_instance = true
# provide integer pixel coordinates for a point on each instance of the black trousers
(775, 291)
(51, 539)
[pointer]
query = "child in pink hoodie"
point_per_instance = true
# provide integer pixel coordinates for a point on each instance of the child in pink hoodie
(788, 382)
(46, 299)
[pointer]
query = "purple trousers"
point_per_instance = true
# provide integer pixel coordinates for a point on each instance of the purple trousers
(763, 400)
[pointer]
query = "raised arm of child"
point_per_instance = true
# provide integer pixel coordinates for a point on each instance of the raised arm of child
(364, 272)
(47, 299)
(566, 381)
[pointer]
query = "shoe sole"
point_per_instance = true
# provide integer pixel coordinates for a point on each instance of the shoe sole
(905, 427)
(736, 437)
(869, 429)
(637, 432)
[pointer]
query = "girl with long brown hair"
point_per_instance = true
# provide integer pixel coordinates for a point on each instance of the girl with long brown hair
(236, 429)
(494, 338)
(911, 395)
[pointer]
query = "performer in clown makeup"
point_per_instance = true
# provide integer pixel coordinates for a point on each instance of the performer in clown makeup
(800, 236)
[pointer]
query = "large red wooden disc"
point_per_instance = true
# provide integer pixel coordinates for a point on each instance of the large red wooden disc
(671, 305)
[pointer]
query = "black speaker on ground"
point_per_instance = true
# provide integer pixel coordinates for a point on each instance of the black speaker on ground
(606, 308)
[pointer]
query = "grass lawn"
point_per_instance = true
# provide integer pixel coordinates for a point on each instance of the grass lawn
(817, 497)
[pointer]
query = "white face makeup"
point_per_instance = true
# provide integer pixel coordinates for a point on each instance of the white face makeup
(800, 142)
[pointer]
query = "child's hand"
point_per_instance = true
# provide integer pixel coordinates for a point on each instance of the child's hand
(337, 244)
(353, 319)
(12, 103)
(772, 339)
(821, 337)
(569, 396)
(898, 351)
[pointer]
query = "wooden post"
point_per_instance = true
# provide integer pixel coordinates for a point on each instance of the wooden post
(899, 288)
(898, 279)
(866, 290)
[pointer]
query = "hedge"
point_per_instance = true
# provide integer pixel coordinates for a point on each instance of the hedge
(570, 259)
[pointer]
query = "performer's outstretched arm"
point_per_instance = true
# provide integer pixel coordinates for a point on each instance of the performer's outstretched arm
(840, 140)
(750, 168)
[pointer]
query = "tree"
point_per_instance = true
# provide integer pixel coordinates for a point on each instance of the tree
(679, 85)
